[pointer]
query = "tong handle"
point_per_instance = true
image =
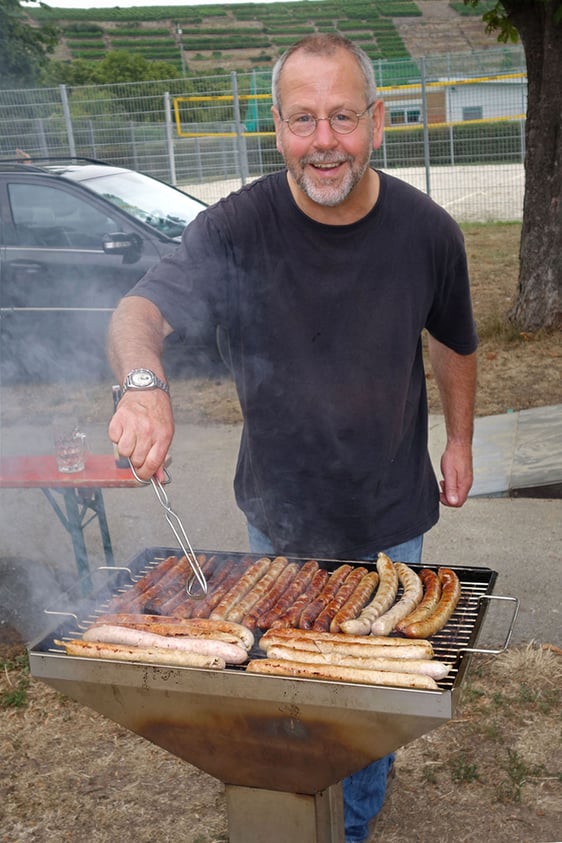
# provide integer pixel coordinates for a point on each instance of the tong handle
(178, 530)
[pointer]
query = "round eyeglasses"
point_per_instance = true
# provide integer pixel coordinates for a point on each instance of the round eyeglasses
(342, 122)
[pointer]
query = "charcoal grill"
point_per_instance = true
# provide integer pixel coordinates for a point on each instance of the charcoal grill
(281, 746)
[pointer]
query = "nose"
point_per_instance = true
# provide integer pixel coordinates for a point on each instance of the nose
(324, 135)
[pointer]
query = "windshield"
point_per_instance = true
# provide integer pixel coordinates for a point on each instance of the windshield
(150, 201)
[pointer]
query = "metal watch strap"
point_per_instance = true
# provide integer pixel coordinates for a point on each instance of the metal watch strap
(151, 378)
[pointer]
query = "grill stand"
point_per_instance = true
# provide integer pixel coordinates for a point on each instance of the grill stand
(287, 817)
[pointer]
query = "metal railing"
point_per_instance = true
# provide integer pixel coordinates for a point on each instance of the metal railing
(454, 128)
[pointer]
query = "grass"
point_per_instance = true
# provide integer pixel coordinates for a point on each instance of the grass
(16, 680)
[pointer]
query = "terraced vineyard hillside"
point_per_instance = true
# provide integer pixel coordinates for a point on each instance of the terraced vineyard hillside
(199, 39)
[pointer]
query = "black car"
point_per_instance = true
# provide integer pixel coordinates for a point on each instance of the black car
(75, 235)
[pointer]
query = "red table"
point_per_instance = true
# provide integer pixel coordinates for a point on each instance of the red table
(81, 492)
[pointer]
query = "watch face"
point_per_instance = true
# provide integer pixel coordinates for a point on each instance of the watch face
(142, 378)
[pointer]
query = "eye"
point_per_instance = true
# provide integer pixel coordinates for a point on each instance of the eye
(302, 119)
(343, 118)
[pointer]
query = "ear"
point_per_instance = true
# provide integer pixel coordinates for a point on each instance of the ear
(378, 123)
(278, 123)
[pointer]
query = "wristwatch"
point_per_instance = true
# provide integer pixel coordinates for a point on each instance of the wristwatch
(144, 379)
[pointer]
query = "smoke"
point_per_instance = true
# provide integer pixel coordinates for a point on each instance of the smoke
(27, 587)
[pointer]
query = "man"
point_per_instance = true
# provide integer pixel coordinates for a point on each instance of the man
(323, 277)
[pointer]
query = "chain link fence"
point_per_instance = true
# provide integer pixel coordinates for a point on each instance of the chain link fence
(454, 128)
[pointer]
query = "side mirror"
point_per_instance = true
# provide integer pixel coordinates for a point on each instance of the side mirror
(119, 243)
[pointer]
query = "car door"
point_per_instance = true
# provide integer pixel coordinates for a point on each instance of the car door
(59, 283)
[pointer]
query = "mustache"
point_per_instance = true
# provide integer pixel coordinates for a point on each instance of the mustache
(326, 158)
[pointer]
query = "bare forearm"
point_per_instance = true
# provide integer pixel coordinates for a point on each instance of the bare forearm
(143, 424)
(456, 379)
(136, 337)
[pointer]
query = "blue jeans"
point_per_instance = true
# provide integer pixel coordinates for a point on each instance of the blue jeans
(364, 791)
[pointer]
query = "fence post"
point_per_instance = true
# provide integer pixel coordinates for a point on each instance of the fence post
(425, 129)
(170, 139)
(67, 120)
(243, 163)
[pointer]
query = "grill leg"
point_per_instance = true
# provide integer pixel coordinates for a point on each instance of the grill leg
(255, 815)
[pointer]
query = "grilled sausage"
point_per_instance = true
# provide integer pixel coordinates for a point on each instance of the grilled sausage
(359, 646)
(258, 590)
(292, 616)
(330, 672)
(130, 600)
(320, 602)
(383, 600)
(356, 601)
(231, 653)
(167, 605)
(270, 596)
(121, 652)
(412, 595)
(428, 667)
(192, 627)
(240, 588)
(430, 599)
(450, 596)
(324, 619)
(296, 588)
(218, 588)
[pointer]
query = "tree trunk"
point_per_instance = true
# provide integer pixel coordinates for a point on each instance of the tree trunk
(539, 300)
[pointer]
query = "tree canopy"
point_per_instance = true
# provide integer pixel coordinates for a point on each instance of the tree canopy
(24, 49)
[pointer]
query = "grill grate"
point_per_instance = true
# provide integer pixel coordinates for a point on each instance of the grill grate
(449, 644)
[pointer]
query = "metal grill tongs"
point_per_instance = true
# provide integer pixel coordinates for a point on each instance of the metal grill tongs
(178, 530)
(173, 520)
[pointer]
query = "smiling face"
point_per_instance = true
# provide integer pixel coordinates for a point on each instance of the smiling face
(329, 173)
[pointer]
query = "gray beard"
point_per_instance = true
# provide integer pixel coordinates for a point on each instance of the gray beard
(330, 196)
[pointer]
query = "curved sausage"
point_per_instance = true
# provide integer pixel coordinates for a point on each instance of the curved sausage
(383, 599)
(450, 596)
(430, 599)
(412, 595)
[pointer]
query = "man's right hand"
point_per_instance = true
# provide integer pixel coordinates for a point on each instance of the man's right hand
(142, 428)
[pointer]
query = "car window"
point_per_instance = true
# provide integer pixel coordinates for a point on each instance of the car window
(50, 217)
(157, 204)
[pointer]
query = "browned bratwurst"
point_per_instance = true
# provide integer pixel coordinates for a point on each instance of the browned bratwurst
(324, 619)
(286, 600)
(450, 596)
(293, 615)
(320, 602)
(267, 597)
(429, 601)
(356, 601)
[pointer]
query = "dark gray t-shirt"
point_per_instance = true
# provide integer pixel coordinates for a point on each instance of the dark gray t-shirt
(324, 325)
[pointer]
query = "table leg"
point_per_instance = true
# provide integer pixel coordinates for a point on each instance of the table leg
(93, 499)
(75, 528)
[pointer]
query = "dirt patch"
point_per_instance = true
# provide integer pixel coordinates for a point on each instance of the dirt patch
(492, 773)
